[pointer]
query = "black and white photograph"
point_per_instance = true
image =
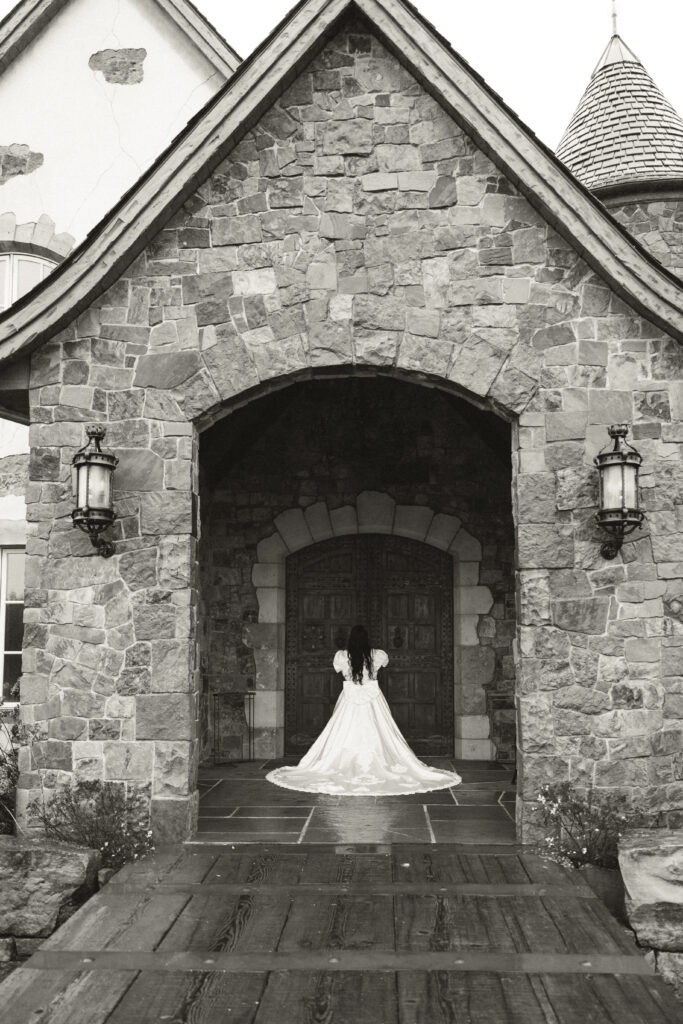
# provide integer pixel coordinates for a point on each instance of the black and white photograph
(341, 512)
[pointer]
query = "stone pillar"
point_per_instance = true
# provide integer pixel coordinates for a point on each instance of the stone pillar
(109, 690)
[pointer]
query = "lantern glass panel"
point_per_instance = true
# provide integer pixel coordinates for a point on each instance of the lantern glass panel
(82, 485)
(630, 486)
(99, 488)
(612, 486)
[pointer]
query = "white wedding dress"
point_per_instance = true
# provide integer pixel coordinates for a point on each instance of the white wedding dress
(361, 751)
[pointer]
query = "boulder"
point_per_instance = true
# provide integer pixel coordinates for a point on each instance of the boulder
(651, 862)
(38, 878)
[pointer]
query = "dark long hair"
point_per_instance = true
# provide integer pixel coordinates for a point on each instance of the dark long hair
(360, 653)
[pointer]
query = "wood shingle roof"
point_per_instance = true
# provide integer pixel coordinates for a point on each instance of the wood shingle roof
(624, 131)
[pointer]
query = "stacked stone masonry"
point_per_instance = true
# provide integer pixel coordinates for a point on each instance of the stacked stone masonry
(356, 228)
(658, 226)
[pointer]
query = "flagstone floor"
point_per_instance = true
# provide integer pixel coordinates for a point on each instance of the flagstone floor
(238, 805)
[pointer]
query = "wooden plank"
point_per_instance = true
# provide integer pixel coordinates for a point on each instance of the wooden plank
(259, 867)
(442, 997)
(543, 1000)
(632, 1007)
(217, 922)
(496, 925)
(462, 961)
(326, 998)
(532, 927)
(493, 870)
(585, 924)
(84, 998)
(660, 1004)
(149, 870)
(133, 921)
(439, 923)
(473, 867)
(428, 864)
(343, 922)
(541, 870)
(347, 869)
(195, 865)
(199, 998)
(513, 870)
(575, 1000)
(28, 991)
(522, 1005)
(357, 888)
(95, 924)
(621, 937)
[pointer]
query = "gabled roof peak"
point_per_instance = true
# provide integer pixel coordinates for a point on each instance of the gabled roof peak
(29, 17)
(616, 52)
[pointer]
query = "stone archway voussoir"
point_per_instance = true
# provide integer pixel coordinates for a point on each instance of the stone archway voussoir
(413, 521)
(443, 530)
(375, 511)
(344, 520)
(293, 528)
(465, 547)
(319, 523)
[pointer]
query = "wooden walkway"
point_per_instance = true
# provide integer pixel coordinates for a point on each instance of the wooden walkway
(332, 935)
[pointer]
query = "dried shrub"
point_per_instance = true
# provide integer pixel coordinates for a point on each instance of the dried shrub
(584, 826)
(100, 815)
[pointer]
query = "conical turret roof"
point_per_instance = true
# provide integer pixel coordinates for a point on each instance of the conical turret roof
(624, 131)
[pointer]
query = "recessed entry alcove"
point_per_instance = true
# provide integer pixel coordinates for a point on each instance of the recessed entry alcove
(357, 499)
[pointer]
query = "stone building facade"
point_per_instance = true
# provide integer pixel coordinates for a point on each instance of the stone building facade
(360, 233)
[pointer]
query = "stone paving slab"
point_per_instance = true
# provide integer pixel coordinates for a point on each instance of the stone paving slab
(238, 805)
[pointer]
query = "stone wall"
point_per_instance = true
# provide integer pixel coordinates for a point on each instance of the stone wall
(355, 228)
(658, 226)
(330, 442)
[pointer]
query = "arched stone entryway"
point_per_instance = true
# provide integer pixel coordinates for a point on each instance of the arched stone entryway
(374, 512)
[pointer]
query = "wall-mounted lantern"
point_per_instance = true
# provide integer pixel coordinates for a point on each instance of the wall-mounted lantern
(618, 467)
(91, 474)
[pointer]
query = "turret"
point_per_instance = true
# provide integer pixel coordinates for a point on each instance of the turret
(625, 143)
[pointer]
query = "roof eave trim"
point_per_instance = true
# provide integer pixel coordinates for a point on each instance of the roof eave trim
(642, 189)
(23, 24)
(570, 209)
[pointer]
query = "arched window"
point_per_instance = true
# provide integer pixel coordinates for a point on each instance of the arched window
(19, 273)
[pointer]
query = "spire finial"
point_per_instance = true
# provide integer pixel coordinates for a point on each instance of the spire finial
(614, 18)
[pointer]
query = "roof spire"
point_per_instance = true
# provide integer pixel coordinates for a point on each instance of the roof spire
(617, 51)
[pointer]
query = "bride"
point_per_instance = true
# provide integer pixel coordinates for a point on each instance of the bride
(361, 750)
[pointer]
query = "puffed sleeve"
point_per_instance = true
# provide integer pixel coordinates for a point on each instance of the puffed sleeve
(379, 659)
(339, 663)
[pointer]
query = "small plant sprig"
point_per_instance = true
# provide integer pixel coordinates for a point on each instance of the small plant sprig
(9, 774)
(99, 815)
(584, 826)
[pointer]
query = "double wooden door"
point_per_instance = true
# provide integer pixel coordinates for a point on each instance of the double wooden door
(402, 591)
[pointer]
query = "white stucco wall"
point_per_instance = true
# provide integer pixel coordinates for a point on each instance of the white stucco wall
(97, 138)
(13, 441)
(13, 438)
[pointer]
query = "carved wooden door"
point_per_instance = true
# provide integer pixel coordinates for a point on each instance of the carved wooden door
(403, 591)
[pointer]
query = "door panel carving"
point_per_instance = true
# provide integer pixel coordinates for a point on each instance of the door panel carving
(403, 591)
